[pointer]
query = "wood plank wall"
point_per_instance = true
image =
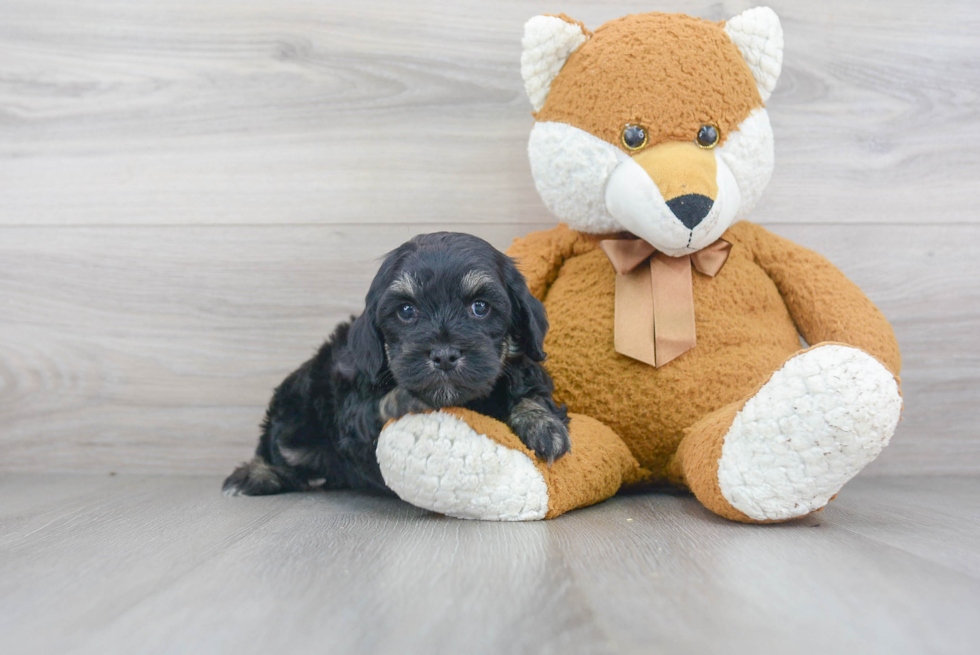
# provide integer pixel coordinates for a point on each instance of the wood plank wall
(193, 193)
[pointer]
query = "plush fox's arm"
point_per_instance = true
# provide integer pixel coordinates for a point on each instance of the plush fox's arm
(824, 304)
(540, 255)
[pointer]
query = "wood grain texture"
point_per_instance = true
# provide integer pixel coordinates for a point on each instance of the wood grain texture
(139, 349)
(193, 194)
(406, 111)
(167, 565)
(158, 347)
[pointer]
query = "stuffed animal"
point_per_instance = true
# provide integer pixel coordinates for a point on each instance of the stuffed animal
(676, 327)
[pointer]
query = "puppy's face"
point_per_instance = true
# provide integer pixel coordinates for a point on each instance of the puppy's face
(445, 326)
(447, 310)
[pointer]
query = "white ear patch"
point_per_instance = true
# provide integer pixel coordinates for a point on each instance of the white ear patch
(547, 42)
(759, 38)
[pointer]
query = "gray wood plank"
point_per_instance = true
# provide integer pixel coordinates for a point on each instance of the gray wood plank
(166, 343)
(340, 572)
(833, 582)
(918, 516)
(404, 111)
(926, 280)
(156, 349)
(168, 565)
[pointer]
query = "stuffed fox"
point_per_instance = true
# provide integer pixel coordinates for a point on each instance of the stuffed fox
(676, 327)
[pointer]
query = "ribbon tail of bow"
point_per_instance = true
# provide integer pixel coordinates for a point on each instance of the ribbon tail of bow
(673, 307)
(634, 316)
(655, 311)
(655, 303)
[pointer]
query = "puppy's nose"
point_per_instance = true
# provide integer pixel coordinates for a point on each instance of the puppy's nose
(444, 359)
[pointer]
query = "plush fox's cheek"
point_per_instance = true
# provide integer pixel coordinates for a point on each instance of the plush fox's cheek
(679, 195)
(570, 169)
(749, 154)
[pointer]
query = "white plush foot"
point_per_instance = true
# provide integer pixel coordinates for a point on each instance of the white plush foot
(820, 419)
(438, 462)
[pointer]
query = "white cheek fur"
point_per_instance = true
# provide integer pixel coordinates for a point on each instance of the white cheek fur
(749, 153)
(570, 169)
(638, 206)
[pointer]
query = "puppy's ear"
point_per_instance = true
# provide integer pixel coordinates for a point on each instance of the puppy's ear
(365, 346)
(529, 320)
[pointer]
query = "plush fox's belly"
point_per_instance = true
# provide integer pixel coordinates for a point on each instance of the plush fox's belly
(744, 332)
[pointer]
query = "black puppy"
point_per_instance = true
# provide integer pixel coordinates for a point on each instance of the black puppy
(449, 321)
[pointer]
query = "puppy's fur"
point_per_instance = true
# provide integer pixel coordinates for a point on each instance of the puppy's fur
(449, 321)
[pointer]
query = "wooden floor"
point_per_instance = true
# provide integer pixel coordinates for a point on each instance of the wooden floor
(125, 564)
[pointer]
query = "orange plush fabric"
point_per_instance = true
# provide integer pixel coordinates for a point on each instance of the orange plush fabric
(695, 463)
(813, 290)
(690, 75)
(595, 469)
(638, 424)
(745, 331)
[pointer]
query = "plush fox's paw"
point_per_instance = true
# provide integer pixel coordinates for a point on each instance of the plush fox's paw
(825, 415)
(438, 462)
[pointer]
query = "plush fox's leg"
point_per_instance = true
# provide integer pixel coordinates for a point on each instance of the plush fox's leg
(463, 464)
(788, 448)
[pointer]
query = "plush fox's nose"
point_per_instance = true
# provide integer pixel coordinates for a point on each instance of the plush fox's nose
(686, 176)
(444, 359)
(691, 208)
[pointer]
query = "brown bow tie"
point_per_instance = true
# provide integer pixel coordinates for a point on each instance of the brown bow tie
(655, 305)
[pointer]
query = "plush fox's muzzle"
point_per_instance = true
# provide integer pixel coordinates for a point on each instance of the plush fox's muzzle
(674, 195)
(686, 176)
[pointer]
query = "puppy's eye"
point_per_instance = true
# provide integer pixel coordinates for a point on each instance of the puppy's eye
(406, 312)
(708, 136)
(480, 308)
(634, 137)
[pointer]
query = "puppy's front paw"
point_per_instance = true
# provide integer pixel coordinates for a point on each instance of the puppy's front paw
(540, 430)
(399, 402)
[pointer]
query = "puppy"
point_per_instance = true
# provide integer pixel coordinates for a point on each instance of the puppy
(449, 321)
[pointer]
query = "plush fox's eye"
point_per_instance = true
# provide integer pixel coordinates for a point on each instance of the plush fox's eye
(707, 136)
(634, 137)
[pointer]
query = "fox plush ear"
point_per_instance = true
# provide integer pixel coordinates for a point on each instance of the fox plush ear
(547, 42)
(759, 38)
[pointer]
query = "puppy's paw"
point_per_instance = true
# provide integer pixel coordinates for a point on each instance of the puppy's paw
(256, 478)
(399, 402)
(540, 430)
